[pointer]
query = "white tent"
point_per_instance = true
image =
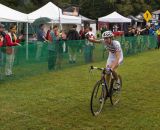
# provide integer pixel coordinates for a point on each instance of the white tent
(85, 19)
(54, 13)
(11, 15)
(114, 18)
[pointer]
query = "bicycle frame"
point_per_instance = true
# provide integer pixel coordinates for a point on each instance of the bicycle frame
(103, 78)
(106, 90)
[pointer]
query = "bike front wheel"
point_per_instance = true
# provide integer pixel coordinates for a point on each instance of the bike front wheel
(98, 98)
(115, 90)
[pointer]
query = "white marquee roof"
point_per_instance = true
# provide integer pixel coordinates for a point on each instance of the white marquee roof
(53, 12)
(114, 18)
(10, 15)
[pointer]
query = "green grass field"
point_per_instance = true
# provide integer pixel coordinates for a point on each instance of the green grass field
(60, 100)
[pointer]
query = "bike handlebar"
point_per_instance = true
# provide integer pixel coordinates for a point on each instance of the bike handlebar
(103, 69)
(92, 67)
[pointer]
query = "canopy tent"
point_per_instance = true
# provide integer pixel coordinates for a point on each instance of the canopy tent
(85, 19)
(7, 20)
(11, 15)
(53, 12)
(135, 19)
(114, 18)
(156, 12)
(140, 16)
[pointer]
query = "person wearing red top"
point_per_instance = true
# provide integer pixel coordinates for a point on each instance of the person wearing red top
(11, 41)
(1, 41)
(2, 37)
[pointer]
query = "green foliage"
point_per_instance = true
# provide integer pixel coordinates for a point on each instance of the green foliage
(90, 8)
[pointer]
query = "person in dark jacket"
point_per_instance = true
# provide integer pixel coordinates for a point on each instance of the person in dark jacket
(72, 36)
(41, 39)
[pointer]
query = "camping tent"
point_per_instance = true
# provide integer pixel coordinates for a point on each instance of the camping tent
(54, 13)
(114, 18)
(11, 15)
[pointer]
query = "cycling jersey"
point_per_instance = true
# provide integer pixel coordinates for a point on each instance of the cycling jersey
(113, 48)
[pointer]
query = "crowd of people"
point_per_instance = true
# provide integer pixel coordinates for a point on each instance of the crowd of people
(55, 40)
(148, 30)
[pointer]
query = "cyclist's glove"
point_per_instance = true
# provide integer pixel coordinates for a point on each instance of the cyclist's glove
(108, 70)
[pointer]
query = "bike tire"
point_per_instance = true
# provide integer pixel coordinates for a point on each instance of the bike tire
(99, 88)
(115, 94)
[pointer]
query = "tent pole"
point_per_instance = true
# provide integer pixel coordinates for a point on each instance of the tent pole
(52, 23)
(17, 28)
(60, 24)
(27, 41)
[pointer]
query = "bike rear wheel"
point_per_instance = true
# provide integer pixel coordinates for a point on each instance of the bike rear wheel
(115, 94)
(98, 98)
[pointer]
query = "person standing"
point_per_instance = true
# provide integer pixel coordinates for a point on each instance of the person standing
(60, 48)
(145, 33)
(52, 52)
(89, 46)
(72, 36)
(41, 38)
(2, 42)
(11, 42)
(158, 38)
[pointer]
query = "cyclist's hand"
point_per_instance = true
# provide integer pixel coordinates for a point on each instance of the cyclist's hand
(108, 70)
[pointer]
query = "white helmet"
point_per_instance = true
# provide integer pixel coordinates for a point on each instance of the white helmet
(107, 34)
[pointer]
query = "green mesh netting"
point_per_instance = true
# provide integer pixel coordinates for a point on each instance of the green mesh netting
(38, 57)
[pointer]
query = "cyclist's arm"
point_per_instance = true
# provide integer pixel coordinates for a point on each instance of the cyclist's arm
(94, 40)
(115, 63)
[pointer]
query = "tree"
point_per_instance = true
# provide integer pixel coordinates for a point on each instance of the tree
(89, 8)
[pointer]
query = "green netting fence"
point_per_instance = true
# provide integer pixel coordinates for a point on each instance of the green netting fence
(42, 57)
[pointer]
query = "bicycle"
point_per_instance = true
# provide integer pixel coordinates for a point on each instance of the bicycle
(101, 91)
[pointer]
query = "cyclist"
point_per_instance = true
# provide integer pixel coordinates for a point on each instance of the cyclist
(115, 57)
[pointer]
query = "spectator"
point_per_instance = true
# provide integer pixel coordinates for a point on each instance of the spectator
(130, 32)
(72, 36)
(145, 33)
(52, 52)
(115, 28)
(82, 34)
(130, 40)
(2, 42)
(158, 38)
(89, 46)
(152, 30)
(59, 48)
(103, 29)
(48, 33)
(82, 39)
(40, 40)
(11, 41)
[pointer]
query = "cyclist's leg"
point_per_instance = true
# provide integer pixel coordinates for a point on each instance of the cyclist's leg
(108, 76)
(110, 64)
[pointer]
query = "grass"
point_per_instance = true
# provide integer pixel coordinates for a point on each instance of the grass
(60, 100)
